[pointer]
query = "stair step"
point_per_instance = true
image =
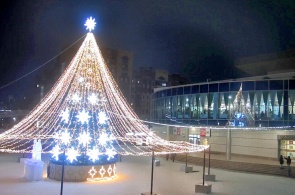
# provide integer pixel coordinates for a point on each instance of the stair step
(236, 166)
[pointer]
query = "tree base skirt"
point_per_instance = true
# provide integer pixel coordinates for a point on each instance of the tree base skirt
(82, 173)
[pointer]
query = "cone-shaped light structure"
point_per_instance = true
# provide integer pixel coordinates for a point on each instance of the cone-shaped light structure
(242, 116)
(86, 114)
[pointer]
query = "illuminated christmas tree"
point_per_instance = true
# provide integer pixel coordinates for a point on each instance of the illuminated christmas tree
(242, 116)
(86, 119)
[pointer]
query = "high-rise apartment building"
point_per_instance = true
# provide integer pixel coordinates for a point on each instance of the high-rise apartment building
(143, 82)
(142, 85)
(120, 63)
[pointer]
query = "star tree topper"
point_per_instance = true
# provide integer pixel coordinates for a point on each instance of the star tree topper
(90, 24)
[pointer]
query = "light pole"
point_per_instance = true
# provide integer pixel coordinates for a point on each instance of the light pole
(62, 173)
(152, 174)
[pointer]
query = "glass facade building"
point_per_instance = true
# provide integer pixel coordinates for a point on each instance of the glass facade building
(271, 102)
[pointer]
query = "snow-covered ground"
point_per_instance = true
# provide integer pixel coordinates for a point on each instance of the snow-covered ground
(134, 177)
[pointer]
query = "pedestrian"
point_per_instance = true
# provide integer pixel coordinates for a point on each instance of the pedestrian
(288, 165)
(173, 156)
(281, 162)
(167, 156)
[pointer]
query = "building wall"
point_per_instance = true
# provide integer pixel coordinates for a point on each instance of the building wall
(261, 143)
(256, 143)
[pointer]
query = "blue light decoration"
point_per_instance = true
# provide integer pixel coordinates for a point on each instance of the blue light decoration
(239, 120)
(83, 133)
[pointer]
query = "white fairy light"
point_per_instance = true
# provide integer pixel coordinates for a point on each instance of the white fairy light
(56, 135)
(90, 24)
(65, 115)
(129, 134)
(72, 154)
(81, 79)
(103, 138)
(83, 116)
(92, 172)
(148, 140)
(92, 99)
(84, 138)
(65, 137)
(76, 98)
(102, 171)
(102, 118)
(93, 154)
(112, 137)
(110, 152)
(110, 170)
(55, 151)
(114, 170)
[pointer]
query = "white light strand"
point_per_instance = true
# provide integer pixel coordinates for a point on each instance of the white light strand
(76, 109)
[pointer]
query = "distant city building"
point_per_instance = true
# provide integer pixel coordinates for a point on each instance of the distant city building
(161, 78)
(176, 79)
(120, 63)
(142, 85)
(144, 81)
(268, 64)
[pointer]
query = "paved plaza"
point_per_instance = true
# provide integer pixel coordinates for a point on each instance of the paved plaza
(134, 177)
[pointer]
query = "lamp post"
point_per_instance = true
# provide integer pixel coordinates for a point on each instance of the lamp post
(204, 168)
(62, 173)
(228, 144)
(152, 174)
(209, 160)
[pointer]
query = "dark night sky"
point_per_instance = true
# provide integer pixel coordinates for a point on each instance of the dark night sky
(180, 36)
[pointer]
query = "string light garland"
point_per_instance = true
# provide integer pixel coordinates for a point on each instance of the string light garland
(86, 116)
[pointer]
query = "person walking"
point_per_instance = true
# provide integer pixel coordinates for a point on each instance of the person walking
(167, 156)
(288, 165)
(281, 162)
(173, 156)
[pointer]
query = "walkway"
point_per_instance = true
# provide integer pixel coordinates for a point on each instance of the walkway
(134, 177)
(238, 163)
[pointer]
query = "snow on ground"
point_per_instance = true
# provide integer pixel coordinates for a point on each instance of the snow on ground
(134, 177)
